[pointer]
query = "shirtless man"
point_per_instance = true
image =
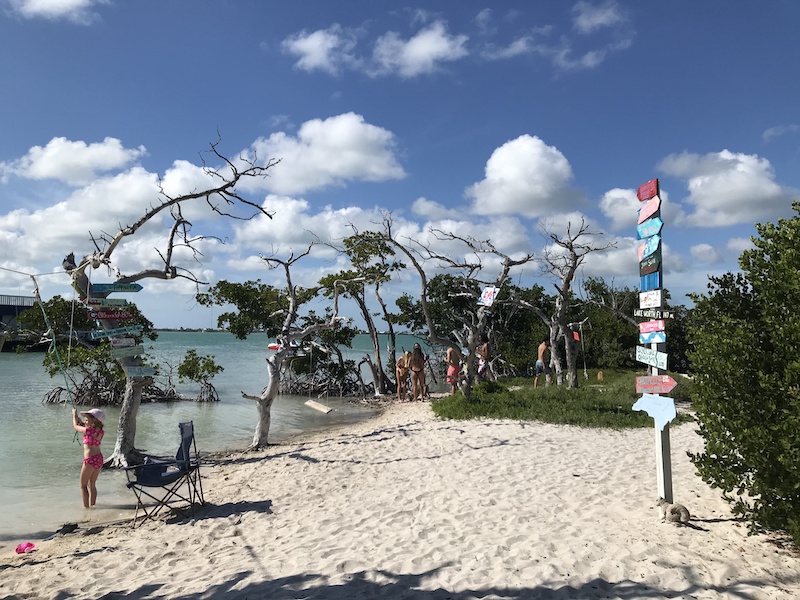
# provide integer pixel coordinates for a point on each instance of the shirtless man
(542, 364)
(453, 360)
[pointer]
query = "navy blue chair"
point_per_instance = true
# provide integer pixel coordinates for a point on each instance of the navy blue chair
(168, 484)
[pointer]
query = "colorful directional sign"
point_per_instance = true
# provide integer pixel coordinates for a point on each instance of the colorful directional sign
(648, 326)
(92, 302)
(652, 313)
(650, 264)
(649, 246)
(110, 315)
(661, 408)
(139, 371)
(650, 227)
(101, 288)
(651, 357)
(96, 335)
(654, 337)
(655, 384)
(648, 209)
(127, 351)
(651, 299)
(647, 190)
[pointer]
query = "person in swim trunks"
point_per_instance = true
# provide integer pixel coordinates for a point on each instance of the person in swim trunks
(542, 364)
(92, 429)
(453, 360)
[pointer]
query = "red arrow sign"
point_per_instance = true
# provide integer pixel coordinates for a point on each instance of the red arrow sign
(655, 384)
(110, 315)
(647, 190)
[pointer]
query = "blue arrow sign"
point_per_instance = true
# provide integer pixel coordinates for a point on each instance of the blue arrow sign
(661, 408)
(654, 337)
(103, 288)
(650, 227)
(650, 245)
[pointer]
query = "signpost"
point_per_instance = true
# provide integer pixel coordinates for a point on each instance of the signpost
(122, 342)
(661, 408)
(102, 288)
(655, 384)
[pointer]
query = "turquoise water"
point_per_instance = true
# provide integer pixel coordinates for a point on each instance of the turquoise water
(42, 456)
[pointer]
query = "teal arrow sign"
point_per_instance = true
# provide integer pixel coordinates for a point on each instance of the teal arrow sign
(118, 331)
(102, 288)
(650, 227)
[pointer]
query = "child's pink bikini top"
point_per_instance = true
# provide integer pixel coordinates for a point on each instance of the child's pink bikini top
(92, 436)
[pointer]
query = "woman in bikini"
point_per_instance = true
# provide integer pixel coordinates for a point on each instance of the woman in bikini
(92, 430)
(417, 365)
(401, 374)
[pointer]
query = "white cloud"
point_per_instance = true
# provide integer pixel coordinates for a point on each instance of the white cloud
(779, 130)
(621, 207)
(727, 188)
(327, 50)
(527, 177)
(739, 245)
(328, 152)
(433, 210)
(75, 163)
(419, 55)
(705, 253)
(76, 11)
(588, 17)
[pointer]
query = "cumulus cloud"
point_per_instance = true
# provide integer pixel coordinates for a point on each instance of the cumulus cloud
(739, 245)
(329, 152)
(705, 253)
(527, 177)
(73, 162)
(432, 210)
(727, 188)
(76, 11)
(328, 50)
(621, 207)
(421, 54)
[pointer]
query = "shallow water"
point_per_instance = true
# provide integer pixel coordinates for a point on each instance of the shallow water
(42, 453)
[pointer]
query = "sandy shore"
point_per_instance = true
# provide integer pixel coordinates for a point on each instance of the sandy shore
(409, 506)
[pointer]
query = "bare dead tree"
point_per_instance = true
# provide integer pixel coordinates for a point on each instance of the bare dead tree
(224, 200)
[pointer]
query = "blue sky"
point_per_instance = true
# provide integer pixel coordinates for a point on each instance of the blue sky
(494, 119)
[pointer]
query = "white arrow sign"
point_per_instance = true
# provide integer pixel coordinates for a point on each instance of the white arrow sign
(651, 357)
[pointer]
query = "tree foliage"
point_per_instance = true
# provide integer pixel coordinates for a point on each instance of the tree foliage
(746, 360)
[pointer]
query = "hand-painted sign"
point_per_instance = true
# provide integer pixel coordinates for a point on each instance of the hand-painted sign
(128, 351)
(122, 342)
(649, 246)
(650, 264)
(651, 299)
(661, 408)
(647, 190)
(655, 384)
(651, 357)
(648, 326)
(650, 227)
(96, 335)
(106, 302)
(488, 296)
(648, 209)
(140, 371)
(115, 287)
(651, 313)
(650, 282)
(654, 337)
(110, 315)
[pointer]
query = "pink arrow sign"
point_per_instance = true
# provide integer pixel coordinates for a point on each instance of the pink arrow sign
(655, 384)
(650, 326)
(648, 209)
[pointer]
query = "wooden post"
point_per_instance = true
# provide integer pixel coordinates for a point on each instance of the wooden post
(663, 464)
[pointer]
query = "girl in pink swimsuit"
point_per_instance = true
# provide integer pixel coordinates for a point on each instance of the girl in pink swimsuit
(92, 430)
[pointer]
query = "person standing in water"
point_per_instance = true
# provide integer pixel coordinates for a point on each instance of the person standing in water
(92, 430)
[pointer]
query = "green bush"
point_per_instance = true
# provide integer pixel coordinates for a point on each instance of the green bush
(746, 360)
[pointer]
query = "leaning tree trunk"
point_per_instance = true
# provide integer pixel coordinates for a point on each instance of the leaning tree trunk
(124, 452)
(265, 400)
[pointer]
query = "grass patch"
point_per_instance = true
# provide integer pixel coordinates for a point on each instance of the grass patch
(606, 404)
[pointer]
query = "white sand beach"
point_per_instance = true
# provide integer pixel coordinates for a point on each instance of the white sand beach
(410, 506)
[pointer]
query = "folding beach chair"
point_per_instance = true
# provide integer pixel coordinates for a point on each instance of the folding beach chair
(170, 484)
